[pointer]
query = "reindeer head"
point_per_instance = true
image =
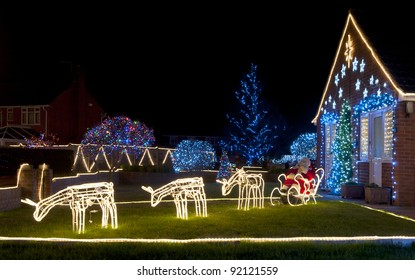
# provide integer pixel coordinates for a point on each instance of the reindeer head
(38, 215)
(225, 186)
(155, 199)
(235, 179)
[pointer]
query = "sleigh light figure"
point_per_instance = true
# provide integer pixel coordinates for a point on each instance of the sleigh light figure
(181, 190)
(79, 198)
(250, 188)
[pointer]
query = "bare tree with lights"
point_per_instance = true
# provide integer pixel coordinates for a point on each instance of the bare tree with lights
(253, 130)
(305, 146)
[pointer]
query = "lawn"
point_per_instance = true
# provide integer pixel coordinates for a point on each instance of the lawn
(227, 233)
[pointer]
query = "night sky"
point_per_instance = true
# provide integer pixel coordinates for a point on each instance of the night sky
(176, 67)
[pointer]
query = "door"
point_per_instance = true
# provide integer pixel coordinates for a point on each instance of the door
(376, 147)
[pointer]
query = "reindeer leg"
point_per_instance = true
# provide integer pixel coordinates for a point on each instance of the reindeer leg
(184, 202)
(114, 218)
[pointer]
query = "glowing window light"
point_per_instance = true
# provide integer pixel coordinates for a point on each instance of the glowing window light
(181, 190)
(388, 137)
(79, 198)
(249, 184)
(364, 137)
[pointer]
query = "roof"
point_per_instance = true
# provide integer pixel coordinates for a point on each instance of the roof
(18, 133)
(35, 88)
(390, 34)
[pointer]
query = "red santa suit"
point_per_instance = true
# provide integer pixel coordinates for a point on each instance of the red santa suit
(308, 175)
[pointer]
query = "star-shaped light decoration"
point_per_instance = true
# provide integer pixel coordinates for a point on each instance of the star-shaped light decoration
(362, 65)
(355, 63)
(340, 92)
(357, 84)
(365, 93)
(336, 79)
(343, 70)
(349, 51)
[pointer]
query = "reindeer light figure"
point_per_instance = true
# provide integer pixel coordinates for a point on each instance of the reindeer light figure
(181, 190)
(79, 198)
(250, 187)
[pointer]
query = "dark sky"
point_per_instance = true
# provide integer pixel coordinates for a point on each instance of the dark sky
(176, 67)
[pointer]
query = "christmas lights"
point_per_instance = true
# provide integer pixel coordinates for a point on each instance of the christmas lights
(249, 185)
(79, 198)
(181, 190)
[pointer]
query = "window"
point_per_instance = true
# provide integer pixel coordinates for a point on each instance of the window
(330, 132)
(31, 116)
(10, 115)
(376, 135)
(364, 137)
(388, 142)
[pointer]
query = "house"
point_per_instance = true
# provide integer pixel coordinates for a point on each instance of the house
(374, 72)
(66, 115)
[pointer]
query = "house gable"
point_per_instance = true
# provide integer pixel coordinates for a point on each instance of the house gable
(379, 87)
(349, 75)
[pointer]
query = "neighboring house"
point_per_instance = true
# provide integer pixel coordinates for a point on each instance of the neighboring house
(375, 71)
(67, 114)
(14, 135)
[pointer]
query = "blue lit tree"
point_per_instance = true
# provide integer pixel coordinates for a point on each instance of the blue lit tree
(225, 168)
(342, 168)
(305, 146)
(116, 135)
(253, 129)
(193, 155)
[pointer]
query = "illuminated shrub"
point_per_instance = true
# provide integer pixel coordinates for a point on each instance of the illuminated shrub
(193, 155)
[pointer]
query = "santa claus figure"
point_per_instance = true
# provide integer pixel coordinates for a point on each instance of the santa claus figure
(306, 169)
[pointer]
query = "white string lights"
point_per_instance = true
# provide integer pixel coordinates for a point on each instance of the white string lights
(181, 190)
(251, 187)
(79, 198)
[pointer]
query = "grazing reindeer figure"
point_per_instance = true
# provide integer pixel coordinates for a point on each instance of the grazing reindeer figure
(79, 198)
(249, 184)
(181, 190)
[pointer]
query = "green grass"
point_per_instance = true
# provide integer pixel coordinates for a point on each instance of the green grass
(138, 220)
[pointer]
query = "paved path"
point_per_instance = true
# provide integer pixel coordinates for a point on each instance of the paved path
(406, 211)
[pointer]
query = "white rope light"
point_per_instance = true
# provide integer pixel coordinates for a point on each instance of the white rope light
(251, 187)
(395, 239)
(181, 190)
(79, 198)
